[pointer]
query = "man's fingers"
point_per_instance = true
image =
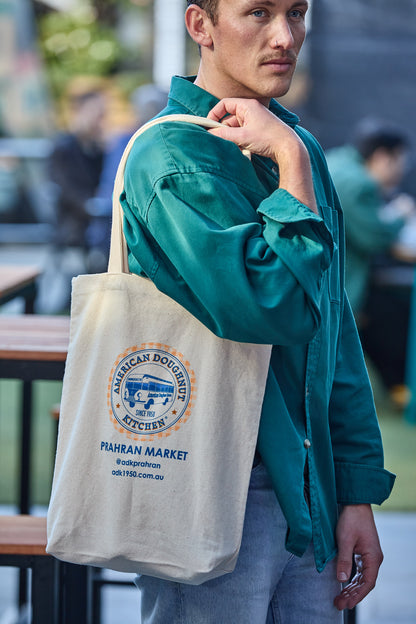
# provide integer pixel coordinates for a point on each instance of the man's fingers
(350, 596)
(344, 563)
(226, 133)
(353, 593)
(224, 107)
(361, 585)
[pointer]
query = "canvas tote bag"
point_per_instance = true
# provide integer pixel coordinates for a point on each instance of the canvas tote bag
(157, 430)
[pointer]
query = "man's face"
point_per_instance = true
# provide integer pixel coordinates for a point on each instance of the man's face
(392, 167)
(255, 44)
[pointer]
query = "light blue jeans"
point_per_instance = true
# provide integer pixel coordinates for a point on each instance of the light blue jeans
(268, 585)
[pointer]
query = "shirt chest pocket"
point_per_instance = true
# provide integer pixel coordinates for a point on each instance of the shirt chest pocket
(331, 218)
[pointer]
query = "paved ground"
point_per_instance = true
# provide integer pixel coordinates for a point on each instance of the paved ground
(393, 601)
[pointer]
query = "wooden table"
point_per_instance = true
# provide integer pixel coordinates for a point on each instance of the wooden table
(22, 545)
(32, 347)
(19, 281)
(60, 592)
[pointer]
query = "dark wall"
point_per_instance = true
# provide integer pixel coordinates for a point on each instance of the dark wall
(362, 62)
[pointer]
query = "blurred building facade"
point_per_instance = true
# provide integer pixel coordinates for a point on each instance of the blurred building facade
(361, 62)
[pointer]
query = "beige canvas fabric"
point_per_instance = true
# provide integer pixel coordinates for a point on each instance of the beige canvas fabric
(157, 431)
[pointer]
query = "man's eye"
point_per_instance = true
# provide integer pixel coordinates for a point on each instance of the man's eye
(259, 13)
(296, 14)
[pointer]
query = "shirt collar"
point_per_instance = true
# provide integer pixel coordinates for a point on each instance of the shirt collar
(197, 101)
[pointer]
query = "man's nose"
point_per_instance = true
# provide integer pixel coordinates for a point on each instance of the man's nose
(282, 36)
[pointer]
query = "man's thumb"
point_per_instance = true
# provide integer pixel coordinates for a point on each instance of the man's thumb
(344, 565)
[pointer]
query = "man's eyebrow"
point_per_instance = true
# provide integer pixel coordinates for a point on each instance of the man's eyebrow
(299, 3)
(262, 2)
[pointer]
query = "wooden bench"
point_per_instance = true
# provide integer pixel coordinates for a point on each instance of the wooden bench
(32, 347)
(23, 545)
(60, 592)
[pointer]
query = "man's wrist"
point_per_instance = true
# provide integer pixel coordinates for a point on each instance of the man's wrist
(295, 175)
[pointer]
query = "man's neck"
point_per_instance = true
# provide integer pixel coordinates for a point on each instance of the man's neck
(221, 91)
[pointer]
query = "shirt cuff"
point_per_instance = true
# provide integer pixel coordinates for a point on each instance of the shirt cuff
(361, 484)
(283, 208)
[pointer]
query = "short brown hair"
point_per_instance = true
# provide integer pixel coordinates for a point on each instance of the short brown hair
(209, 6)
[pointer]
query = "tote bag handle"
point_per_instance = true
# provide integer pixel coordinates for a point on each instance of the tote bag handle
(118, 260)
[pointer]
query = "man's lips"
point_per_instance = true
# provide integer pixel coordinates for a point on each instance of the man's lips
(280, 63)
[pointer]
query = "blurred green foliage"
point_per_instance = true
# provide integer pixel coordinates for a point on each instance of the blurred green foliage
(75, 43)
(86, 41)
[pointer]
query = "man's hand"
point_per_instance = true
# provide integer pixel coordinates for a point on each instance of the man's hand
(254, 128)
(251, 126)
(357, 536)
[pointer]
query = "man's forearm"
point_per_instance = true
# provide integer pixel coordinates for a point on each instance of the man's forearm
(296, 175)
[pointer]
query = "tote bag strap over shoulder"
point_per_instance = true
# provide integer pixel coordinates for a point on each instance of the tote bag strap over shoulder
(118, 261)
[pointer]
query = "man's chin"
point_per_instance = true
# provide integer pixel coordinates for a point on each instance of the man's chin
(281, 90)
(276, 90)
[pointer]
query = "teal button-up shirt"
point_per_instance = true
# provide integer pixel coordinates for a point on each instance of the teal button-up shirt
(213, 230)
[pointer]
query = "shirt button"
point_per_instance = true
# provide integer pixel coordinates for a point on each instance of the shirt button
(307, 444)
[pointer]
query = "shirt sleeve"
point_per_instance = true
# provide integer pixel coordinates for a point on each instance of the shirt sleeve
(355, 433)
(249, 275)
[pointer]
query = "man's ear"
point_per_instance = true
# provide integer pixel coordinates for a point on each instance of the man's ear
(199, 25)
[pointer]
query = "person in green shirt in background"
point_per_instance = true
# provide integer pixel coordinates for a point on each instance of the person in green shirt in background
(254, 249)
(380, 243)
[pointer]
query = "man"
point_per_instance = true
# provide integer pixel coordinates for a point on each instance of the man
(74, 168)
(366, 173)
(380, 244)
(76, 162)
(249, 249)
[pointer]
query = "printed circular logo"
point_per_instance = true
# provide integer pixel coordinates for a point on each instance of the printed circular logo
(150, 390)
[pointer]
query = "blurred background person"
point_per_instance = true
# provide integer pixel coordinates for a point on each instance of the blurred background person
(76, 162)
(380, 244)
(146, 101)
(74, 167)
